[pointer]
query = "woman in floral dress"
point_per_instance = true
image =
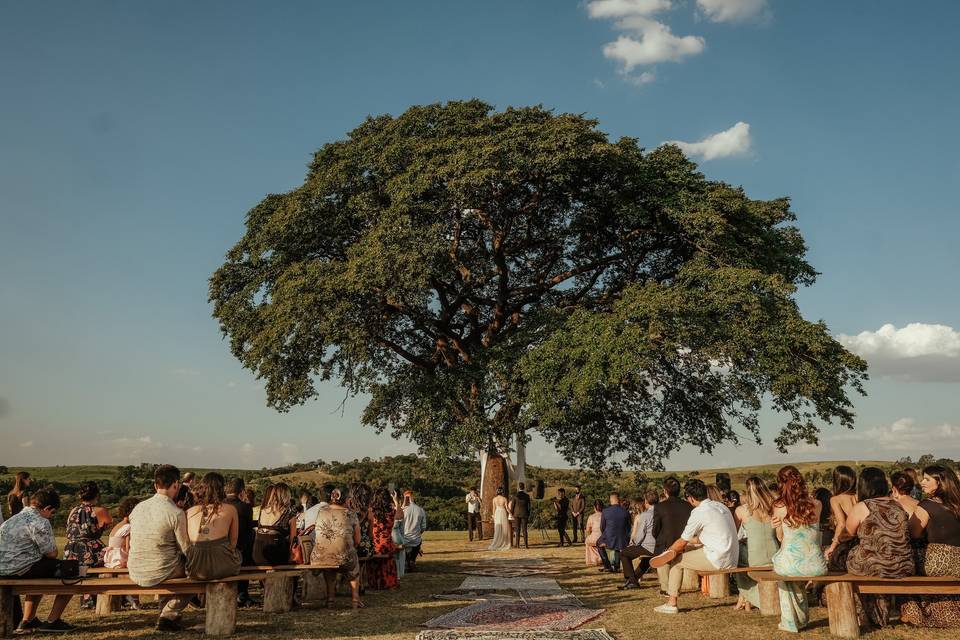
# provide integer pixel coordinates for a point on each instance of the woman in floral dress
(85, 527)
(337, 535)
(382, 572)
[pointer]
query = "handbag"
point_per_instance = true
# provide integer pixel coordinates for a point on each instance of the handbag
(397, 534)
(296, 552)
(67, 569)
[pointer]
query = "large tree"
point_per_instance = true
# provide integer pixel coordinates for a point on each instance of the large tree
(481, 274)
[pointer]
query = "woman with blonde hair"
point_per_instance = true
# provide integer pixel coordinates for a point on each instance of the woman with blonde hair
(796, 519)
(754, 516)
(276, 528)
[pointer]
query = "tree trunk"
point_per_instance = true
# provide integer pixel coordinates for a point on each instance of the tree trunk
(691, 581)
(221, 608)
(9, 620)
(719, 585)
(278, 594)
(107, 604)
(842, 610)
(314, 586)
(769, 598)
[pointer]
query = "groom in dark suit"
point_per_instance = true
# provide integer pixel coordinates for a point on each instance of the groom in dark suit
(521, 514)
(614, 531)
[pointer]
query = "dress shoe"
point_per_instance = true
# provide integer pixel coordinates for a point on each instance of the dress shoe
(628, 585)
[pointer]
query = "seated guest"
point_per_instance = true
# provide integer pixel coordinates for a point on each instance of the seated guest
(841, 504)
(382, 572)
(235, 497)
(29, 550)
(732, 500)
(158, 538)
(936, 521)
(276, 528)
(213, 529)
(592, 534)
(883, 549)
(901, 489)
(917, 492)
(714, 493)
(614, 533)
(669, 520)
(338, 533)
(118, 543)
(761, 544)
(711, 524)
(796, 518)
(823, 496)
(85, 526)
(414, 525)
(16, 496)
(641, 544)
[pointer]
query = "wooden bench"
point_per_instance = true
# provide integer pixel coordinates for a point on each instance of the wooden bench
(719, 587)
(221, 595)
(841, 587)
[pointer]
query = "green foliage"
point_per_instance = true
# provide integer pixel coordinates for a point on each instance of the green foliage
(481, 274)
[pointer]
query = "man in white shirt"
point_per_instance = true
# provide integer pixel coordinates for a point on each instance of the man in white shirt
(414, 524)
(712, 525)
(473, 514)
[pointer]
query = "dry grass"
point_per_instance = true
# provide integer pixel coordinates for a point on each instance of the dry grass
(398, 614)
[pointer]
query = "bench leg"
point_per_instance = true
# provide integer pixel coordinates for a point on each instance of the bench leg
(769, 598)
(221, 609)
(691, 581)
(8, 612)
(842, 610)
(314, 586)
(278, 594)
(719, 585)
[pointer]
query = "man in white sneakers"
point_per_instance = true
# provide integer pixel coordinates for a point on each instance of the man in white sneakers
(711, 525)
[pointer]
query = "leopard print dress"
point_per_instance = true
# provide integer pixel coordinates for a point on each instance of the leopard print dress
(935, 559)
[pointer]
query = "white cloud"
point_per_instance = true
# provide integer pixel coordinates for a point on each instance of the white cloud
(289, 453)
(902, 437)
(732, 10)
(644, 78)
(247, 448)
(918, 351)
(622, 8)
(27, 444)
(653, 42)
(186, 372)
(735, 141)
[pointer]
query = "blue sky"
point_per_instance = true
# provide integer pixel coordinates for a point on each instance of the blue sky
(135, 136)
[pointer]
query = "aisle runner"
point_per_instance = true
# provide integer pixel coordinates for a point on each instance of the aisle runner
(492, 614)
(584, 634)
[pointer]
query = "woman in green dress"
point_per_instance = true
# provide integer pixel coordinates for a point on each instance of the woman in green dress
(761, 543)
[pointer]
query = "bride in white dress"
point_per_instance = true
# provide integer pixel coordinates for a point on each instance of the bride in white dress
(502, 532)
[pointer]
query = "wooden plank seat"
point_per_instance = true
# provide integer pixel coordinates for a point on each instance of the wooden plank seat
(841, 587)
(718, 586)
(221, 595)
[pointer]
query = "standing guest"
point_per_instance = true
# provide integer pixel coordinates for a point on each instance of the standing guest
(642, 542)
(158, 538)
(901, 489)
(520, 511)
(879, 524)
(669, 520)
(917, 492)
(936, 521)
(28, 550)
(85, 527)
(796, 518)
(397, 534)
(474, 522)
(15, 498)
(562, 506)
(755, 519)
(276, 527)
(235, 491)
(338, 533)
(823, 496)
(614, 533)
(213, 529)
(359, 503)
(593, 535)
(382, 572)
(841, 504)
(712, 525)
(577, 504)
(414, 524)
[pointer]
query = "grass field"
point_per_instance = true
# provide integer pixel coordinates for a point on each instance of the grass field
(398, 614)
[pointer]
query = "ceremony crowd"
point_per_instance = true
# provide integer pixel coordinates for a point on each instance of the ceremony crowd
(207, 529)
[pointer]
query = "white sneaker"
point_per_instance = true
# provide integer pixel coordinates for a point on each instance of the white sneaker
(666, 608)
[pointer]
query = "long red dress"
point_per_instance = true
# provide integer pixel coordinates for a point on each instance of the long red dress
(382, 572)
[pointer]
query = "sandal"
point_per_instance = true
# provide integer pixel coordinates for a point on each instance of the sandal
(357, 604)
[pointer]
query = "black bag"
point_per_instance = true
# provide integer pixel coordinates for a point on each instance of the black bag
(68, 569)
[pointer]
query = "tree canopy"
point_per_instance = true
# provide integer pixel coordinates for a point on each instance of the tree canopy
(481, 274)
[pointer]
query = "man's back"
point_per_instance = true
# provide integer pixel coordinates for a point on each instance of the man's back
(244, 521)
(521, 505)
(615, 522)
(158, 535)
(669, 519)
(414, 523)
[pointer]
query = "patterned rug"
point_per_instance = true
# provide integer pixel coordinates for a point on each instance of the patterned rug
(495, 583)
(562, 598)
(474, 594)
(515, 616)
(583, 634)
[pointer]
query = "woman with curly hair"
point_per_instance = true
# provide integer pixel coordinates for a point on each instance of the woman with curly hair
(382, 572)
(213, 529)
(936, 521)
(796, 519)
(359, 503)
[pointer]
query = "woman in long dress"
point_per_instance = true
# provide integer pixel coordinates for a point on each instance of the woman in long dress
(761, 543)
(502, 532)
(592, 529)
